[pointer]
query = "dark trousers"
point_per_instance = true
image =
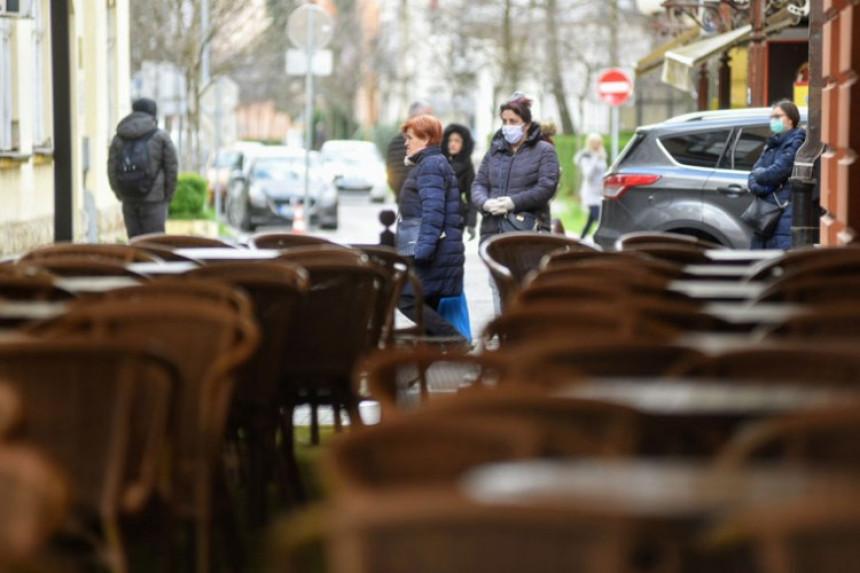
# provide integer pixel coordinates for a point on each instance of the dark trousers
(143, 218)
(434, 324)
(593, 217)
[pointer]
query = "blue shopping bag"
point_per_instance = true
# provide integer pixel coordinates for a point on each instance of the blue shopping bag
(455, 310)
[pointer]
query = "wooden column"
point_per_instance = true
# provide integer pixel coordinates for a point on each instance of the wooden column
(724, 90)
(702, 88)
(757, 87)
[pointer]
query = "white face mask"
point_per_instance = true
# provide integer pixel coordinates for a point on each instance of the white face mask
(512, 133)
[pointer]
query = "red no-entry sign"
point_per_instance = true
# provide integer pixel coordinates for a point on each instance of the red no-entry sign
(614, 86)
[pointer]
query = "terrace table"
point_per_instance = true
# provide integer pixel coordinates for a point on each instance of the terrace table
(94, 284)
(16, 312)
(718, 290)
(162, 268)
(745, 256)
(726, 272)
(698, 416)
(670, 503)
(213, 255)
(743, 314)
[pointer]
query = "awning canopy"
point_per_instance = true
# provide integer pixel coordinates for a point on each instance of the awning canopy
(679, 63)
(655, 58)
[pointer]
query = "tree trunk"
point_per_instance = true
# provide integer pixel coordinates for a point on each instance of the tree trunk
(554, 64)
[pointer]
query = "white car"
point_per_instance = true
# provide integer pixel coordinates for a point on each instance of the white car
(356, 166)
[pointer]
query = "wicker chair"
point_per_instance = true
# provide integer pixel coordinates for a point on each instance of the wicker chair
(797, 260)
(812, 290)
(180, 241)
(97, 251)
(674, 253)
(663, 238)
(32, 288)
(208, 342)
(285, 240)
(276, 290)
(10, 410)
(100, 410)
(84, 266)
(34, 496)
(510, 257)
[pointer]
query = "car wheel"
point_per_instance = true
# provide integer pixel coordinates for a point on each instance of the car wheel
(329, 226)
(238, 214)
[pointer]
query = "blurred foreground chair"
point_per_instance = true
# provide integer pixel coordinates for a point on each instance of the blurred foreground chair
(96, 251)
(32, 288)
(510, 257)
(173, 241)
(797, 261)
(430, 532)
(403, 379)
(627, 240)
(679, 253)
(11, 411)
(276, 290)
(816, 535)
(84, 266)
(208, 342)
(839, 321)
(821, 437)
(34, 499)
(285, 240)
(793, 362)
(184, 286)
(100, 410)
(813, 290)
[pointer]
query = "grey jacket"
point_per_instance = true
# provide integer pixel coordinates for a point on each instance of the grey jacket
(162, 157)
(529, 177)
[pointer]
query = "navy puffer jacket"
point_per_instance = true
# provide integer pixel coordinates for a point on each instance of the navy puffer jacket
(431, 194)
(529, 177)
(770, 175)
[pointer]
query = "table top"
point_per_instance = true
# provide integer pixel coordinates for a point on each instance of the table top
(94, 284)
(707, 397)
(228, 254)
(25, 310)
(717, 271)
(717, 290)
(742, 255)
(651, 488)
(760, 313)
(162, 268)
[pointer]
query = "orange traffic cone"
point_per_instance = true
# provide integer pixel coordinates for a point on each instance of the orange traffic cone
(300, 225)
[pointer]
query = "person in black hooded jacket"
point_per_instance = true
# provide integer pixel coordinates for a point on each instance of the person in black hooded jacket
(457, 145)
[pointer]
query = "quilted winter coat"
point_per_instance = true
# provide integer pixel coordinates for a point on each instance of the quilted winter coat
(770, 174)
(431, 194)
(529, 177)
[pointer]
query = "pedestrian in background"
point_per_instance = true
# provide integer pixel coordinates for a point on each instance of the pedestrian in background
(769, 176)
(142, 169)
(518, 175)
(591, 162)
(458, 145)
(430, 228)
(395, 163)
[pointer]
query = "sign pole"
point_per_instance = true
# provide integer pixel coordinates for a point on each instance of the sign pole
(614, 119)
(309, 111)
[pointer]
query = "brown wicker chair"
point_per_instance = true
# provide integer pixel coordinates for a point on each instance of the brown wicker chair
(675, 253)
(163, 252)
(180, 241)
(332, 253)
(285, 240)
(510, 257)
(97, 251)
(207, 342)
(836, 321)
(276, 289)
(10, 410)
(663, 238)
(820, 437)
(32, 288)
(182, 287)
(84, 266)
(34, 496)
(797, 260)
(100, 410)
(812, 290)
(401, 379)
(563, 258)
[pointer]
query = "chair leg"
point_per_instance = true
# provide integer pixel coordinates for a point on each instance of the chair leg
(292, 484)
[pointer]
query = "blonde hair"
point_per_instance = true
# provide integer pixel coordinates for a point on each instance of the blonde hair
(594, 136)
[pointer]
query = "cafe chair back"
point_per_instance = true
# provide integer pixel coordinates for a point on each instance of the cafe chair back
(627, 240)
(32, 288)
(284, 240)
(97, 251)
(11, 411)
(179, 241)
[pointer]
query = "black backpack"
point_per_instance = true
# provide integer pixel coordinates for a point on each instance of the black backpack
(133, 174)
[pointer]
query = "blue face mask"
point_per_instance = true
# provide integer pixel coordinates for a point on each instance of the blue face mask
(777, 126)
(512, 133)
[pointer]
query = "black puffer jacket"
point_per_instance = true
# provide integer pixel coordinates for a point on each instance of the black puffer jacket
(162, 157)
(430, 194)
(463, 169)
(529, 177)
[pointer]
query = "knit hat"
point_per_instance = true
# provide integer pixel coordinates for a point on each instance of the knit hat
(145, 105)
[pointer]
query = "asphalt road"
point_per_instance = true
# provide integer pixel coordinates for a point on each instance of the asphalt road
(359, 223)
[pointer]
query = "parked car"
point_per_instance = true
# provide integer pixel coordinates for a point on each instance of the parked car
(356, 166)
(686, 175)
(273, 184)
(221, 166)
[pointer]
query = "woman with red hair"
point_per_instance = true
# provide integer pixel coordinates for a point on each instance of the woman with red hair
(429, 227)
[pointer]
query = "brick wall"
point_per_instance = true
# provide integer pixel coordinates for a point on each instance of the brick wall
(840, 129)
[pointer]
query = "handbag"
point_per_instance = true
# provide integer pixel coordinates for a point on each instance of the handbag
(763, 216)
(407, 236)
(455, 310)
(522, 221)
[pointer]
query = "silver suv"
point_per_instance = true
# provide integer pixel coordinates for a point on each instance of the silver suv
(686, 175)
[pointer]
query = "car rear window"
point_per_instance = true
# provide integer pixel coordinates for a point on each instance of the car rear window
(700, 149)
(748, 148)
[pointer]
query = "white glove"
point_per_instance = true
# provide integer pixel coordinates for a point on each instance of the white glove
(489, 205)
(506, 203)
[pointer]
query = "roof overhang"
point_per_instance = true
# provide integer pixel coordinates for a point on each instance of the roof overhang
(655, 59)
(680, 63)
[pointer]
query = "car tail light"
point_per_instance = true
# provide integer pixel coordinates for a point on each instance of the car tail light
(614, 186)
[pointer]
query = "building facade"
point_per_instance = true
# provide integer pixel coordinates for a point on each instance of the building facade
(99, 87)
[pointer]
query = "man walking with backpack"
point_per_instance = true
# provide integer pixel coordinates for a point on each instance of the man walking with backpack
(142, 169)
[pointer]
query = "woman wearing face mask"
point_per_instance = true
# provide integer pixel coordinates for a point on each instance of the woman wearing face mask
(769, 176)
(520, 171)
(430, 228)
